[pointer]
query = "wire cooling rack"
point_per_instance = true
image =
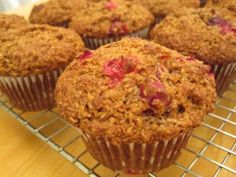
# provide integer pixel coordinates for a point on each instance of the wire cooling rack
(211, 150)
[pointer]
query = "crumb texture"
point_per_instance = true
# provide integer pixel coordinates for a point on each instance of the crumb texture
(37, 49)
(135, 91)
(163, 7)
(111, 18)
(11, 22)
(56, 12)
(228, 4)
(208, 34)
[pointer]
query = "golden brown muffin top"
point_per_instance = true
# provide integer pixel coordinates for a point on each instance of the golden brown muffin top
(135, 91)
(208, 34)
(111, 18)
(11, 22)
(55, 12)
(164, 7)
(37, 49)
(228, 4)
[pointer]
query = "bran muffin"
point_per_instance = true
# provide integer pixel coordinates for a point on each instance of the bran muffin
(135, 103)
(228, 4)
(55, 12)
(31, 60)
(161, 8)
(109, 21)
(208, 34)
(11, 22)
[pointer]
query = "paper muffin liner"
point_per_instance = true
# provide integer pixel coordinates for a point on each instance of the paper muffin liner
(159, 19)
(135, 158)
(224, 75)
(31, 93)
(94, 43)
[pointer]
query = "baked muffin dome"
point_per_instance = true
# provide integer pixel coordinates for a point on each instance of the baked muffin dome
(55, 12)
(208, 34)
(37, 49)
(163, 7)
(135, 91)
(11, 22)
(111, 18)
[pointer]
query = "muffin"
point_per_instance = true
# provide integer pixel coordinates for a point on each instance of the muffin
(11, 22)
(55, 12)
(109, 21)
(135, 103)
(208, 34)
(228, 4)
(31, 60)
(161, 8)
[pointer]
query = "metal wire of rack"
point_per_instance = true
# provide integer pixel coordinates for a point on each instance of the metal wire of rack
(213, 144)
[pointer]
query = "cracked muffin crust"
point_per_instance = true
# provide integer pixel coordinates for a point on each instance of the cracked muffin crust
(135, 91)
(111, 18)
(37, 49)
(56, 12)
(208, 34)
(11, 22)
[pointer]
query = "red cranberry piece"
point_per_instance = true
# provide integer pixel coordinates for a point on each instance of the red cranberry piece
(233, 30)
(111, 5)
(116, 69)
(118, 28)
(217, 21)
(129, 63)
(87, 54)
(161, 97)
(226, 29)
(225, 26)
(153, 91)
(151, 88)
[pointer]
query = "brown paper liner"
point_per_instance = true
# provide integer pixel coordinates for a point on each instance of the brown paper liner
(31, 93)
(159, 19)
(224, 75)
(94, 43)
(135, 158)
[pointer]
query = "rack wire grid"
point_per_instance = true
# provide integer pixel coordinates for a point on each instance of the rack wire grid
(212, 145)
